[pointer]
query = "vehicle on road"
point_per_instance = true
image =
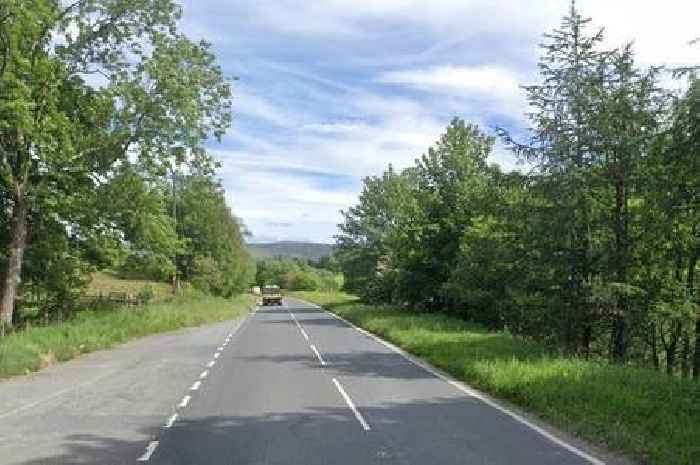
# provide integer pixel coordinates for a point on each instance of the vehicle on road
(271, 295)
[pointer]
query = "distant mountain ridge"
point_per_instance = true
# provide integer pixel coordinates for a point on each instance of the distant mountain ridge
(290, 249)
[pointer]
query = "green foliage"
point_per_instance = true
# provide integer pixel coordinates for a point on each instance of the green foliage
(214, 256)
(295, 275)
(639, 411)
(82, 167)
(593, 252)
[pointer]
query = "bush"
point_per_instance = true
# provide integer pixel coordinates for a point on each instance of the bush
(303, 281)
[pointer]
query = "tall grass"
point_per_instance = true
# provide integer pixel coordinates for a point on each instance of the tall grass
(643, 412)
(31, 349)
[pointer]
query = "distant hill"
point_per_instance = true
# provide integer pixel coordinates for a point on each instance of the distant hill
(290, 249)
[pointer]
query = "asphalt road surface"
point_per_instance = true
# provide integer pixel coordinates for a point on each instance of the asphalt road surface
(292, 385)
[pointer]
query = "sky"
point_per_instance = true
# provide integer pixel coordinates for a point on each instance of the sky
(331, 91)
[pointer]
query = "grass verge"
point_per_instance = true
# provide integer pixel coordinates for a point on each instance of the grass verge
(34, 348)
(638, 411)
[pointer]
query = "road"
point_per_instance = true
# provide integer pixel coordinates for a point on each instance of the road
(298, 386)
(101, 408)
(295, 385)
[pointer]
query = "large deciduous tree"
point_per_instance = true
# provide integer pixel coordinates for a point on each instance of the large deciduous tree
(86, 86)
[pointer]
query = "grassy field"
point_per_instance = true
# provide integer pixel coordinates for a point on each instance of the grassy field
(639, 411)
(34, 348)
(104, 282)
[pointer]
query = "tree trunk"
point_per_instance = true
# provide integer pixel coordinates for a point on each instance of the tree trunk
(696, 358)
(13, 275)
(685, 355)
(690, 282)
(619, 339)
(620, 326)
(654, 349)
(672, 347)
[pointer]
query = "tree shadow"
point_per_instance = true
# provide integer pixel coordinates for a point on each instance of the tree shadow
(371, 364)
(436, 431)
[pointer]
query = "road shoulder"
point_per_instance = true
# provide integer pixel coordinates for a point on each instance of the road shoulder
(103, 406)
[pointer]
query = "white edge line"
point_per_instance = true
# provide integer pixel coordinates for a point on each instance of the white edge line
(196, 386)
(171, 420)
(303, 333)
(348, 401)
(470, 391)
(183, 403)
(150, 448)
(318, 355)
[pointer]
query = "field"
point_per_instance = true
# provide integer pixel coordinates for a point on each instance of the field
(104, 282)
(642, 412)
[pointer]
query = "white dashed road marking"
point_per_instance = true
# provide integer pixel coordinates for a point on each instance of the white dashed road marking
(469, 391)
(171, 420)
(318, 355)
(196, 386)
(183, 403)
(203, 374)
(149, 451)
(348, 401)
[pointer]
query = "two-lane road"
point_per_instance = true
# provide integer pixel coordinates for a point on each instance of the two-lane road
(295, 385)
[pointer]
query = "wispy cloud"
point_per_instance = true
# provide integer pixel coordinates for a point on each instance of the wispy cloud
(332, 91)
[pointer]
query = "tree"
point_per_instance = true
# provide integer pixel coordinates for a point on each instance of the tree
(214, 255)
(159, 96)
(561, 148)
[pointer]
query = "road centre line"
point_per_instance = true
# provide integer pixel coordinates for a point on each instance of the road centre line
(348, 401)
(469, 391)
(171, 420)
(150, 448)
(301, 329)
(318, 354)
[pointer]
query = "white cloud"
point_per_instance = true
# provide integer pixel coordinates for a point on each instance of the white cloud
(284, 207)
(484, 79)
(487, 83)
(344, 87)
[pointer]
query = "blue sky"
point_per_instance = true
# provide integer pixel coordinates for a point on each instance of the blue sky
(332, 91)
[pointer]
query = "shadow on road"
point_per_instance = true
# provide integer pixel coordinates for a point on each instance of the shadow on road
(461, 430)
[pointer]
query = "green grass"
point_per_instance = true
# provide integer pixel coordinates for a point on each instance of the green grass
(642, 412)
(104, 282)
(33, 348)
